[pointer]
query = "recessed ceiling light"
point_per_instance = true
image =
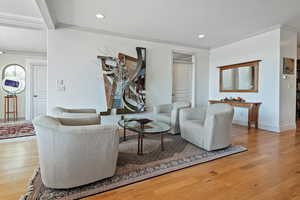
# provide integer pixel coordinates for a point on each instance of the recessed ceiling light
(201, 36)
(1, 52)
(100, 16)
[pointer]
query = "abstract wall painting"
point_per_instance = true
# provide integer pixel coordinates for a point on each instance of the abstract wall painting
(124, 79)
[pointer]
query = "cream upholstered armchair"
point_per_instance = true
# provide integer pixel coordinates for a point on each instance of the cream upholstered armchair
(169, 113)
(74, 152)
(208, 128)
(74, 113)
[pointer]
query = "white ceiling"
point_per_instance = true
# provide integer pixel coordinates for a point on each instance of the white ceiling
(175, 21)
(20, 7)
(18, 39)
(21, 27)
(180, 21)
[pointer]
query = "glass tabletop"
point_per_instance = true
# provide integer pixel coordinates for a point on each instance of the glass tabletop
(151, 127)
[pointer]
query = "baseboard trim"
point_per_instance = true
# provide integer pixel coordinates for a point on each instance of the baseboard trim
(288, 127)
(267, 127)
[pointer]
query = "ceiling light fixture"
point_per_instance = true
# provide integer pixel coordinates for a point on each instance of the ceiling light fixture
(100, 16)
(1, 52)
(201, 36)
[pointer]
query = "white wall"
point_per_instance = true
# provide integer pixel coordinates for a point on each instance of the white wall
(288, 48)
(265, 47)
(72, 58)
(6, 59)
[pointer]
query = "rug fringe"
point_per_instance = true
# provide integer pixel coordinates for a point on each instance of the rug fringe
(30, 186)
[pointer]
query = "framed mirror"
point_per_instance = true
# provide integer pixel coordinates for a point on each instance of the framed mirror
(242, 77)
(13, 79)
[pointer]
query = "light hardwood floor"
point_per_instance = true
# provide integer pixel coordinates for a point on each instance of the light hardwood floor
(270, 169)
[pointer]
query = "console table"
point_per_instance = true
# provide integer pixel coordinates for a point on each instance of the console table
(253, 110)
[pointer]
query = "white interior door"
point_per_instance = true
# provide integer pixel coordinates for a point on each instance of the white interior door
(39, 90)
(182, 82)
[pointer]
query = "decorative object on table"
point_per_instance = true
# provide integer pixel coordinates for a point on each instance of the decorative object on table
(231, 99)
(10, 110)
(241, 77)
(85, 150)
(208, 128)
(132, 168)
(169, 113)
(124, 79)
(138, 126)
(253, 110)
(143, 121)
(288, 66)
(16, 129)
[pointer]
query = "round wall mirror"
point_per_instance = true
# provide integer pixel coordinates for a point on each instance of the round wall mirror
(13, 79)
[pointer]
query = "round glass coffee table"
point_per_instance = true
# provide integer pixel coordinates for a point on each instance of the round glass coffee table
(153, 127)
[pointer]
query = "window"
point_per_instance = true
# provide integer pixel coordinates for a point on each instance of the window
(13, 79)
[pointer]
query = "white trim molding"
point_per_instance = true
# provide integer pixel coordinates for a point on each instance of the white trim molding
(24, 53)
(47, 15)
(228, 42)
(124, 35)
(194, 63)
(286, 127)
(268, 127)
(20, 21)
(29, 104)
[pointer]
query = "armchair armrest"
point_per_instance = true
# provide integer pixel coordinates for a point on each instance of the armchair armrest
(90, 129)
(82, 110)
(181, 105)
(193, 114)
(79, 121)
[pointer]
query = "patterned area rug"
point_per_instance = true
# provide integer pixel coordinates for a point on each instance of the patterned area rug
(16, 129)
(132, 168)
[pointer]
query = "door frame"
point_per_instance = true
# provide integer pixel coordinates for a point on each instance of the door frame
(193, 54)
(30, 63)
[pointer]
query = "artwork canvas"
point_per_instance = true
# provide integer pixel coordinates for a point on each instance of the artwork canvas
(288, 66)
(124, 79)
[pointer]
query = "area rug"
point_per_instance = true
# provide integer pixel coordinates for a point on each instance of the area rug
(132, 168)
(16, 129)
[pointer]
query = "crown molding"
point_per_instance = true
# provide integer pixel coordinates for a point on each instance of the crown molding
(278, 26)
(48, 16)
(23, 53)
(289, 28)
(20, 21)
(123, 35)
(228, 42)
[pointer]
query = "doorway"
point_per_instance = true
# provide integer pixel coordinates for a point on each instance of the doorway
(183, 87)
(36, 96)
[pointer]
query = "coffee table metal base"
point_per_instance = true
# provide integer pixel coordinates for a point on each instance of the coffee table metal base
(141, 142)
